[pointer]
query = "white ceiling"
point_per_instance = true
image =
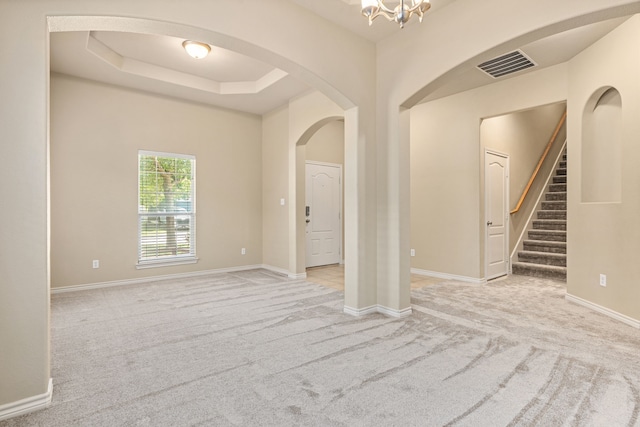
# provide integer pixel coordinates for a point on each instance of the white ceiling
(158, 64)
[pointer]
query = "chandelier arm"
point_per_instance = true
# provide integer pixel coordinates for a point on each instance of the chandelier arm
(384, 8)
(386, 15)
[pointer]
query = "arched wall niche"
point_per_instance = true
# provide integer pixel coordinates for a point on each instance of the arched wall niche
(601, 177)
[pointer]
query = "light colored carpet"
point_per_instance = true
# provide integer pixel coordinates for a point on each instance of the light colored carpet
(254, 348)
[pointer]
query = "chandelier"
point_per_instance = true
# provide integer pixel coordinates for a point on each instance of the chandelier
(400, 14)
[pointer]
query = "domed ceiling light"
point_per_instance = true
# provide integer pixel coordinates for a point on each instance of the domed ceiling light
(400, 14)
(196, 50)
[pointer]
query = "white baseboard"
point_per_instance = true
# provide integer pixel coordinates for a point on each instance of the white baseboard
(448, 276)
(603, 310)
(140, 280)
(27, 405)
(361, 311)
(377, 309)
(394, 313)
(285, 272)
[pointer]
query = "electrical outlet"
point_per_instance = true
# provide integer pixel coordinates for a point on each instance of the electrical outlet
(96, 263)
(413, 252)
(281, 202)
(603, 280)
(243, 251)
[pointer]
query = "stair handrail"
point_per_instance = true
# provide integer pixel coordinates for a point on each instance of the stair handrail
(542, 159)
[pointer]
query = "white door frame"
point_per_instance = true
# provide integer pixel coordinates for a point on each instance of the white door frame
(506, 216)
(340, 213)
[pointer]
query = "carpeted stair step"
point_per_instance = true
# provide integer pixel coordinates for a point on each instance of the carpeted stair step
(555, 214)
(550, 224)
(537, 270)
(555, 196)
(558, 188)
(544, 254)
(554, 205)
(548, 235)
(545, 246)
(545, 258)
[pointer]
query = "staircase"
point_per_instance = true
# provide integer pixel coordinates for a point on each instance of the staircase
(544, 254)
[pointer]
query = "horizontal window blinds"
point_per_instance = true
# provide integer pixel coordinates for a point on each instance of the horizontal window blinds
(166, 207)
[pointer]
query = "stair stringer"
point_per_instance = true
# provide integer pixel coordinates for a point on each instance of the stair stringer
(543, 190)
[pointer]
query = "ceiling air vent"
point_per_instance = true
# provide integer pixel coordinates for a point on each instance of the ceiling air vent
(509, 63)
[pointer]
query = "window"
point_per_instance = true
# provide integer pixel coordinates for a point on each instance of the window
(166, 209)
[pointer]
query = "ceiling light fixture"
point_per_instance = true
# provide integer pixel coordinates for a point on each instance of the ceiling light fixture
(196, 50)
(400, 14)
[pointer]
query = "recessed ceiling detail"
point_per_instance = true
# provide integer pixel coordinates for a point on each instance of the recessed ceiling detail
(506, 64)
(157, 72)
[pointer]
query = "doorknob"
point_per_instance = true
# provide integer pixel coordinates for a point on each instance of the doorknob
(489, 223)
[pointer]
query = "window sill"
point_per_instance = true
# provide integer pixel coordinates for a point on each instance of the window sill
(166, 262)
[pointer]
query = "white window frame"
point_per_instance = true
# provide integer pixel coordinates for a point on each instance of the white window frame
(168, 260)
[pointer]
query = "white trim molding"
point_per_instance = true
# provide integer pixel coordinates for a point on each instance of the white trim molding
(29, 404)
(285, 272)
(603, 310)
(128, 282)
(140, 280)
(360, 311)
(395, 313)
(378, 309)
(448, 276)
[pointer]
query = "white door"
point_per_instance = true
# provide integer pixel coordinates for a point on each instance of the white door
(496, 171)
(323, 212)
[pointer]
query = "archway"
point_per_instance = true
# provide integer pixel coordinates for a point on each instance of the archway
(301, 157)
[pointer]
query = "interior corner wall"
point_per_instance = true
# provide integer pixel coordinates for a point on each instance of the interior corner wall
(96, 132)
(447, 176)
(275, 187)
(604, 238)
(524, 136)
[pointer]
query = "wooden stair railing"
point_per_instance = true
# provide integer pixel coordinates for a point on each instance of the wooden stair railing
(542, 159)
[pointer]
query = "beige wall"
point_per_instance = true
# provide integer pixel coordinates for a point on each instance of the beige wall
(327, 144)
(275, 186)
(524, 136)
(96, 132)
(447, 176)
(604, 238)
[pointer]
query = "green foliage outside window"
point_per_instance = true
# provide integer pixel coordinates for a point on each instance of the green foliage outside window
(165, 205)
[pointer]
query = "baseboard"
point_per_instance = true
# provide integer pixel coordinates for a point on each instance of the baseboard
(603, 310)
(448, 276)
(361, 311)
(287, 273)
(394, 313)
(377, 309)
(140, 280)
(27, 405)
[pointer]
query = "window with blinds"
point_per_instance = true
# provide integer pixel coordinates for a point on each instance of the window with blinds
(166, 208)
